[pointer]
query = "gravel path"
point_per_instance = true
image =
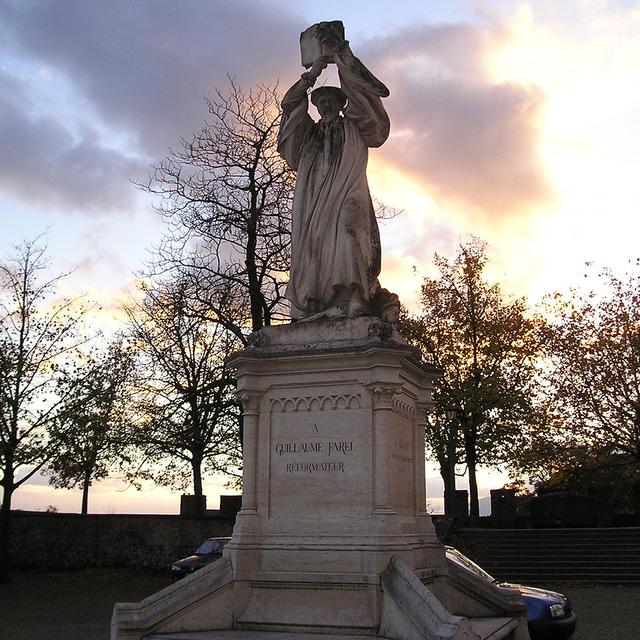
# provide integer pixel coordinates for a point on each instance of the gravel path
(78, 606)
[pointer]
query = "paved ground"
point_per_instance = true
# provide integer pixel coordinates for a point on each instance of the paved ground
(77, 606)
(604, 612)
(69, 606)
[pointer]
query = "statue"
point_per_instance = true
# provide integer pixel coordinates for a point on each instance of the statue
(335, 239)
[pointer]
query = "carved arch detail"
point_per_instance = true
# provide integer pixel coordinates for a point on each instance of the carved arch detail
(342, 401)
(403, 407)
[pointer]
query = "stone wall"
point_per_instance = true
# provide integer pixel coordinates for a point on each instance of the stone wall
(70, 541)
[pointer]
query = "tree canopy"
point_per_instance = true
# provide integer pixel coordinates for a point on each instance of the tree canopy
(93, 429)
(594, 349)
(487, 347)
(39, 343)
(187, 418)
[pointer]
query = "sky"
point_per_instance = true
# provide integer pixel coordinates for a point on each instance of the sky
(516, 121)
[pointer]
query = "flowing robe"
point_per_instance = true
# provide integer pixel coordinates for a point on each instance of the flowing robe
(335, 238)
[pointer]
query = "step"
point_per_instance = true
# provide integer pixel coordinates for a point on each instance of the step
(560, 530)
(553, 578)
(579, 556)
(253, 635)
(568, 544)
(590, 540)
(493, 628)
(563, 542)
(538, 556)
(559, 541)
(511, 573)
(612, 563)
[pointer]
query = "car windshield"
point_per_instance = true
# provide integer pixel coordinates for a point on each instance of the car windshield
(461, 560)
(210, 546)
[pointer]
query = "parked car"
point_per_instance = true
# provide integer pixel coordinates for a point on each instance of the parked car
(209, 551)
(549, 614)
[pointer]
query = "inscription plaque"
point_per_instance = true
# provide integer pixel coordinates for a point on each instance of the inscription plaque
(318, 461)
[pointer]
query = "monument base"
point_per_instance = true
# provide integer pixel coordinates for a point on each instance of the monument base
(333, 536)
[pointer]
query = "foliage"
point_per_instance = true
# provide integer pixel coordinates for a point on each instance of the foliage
(92, 427)
(519, 486)
(545, 448)
(227, 195)
(588, 473)
(594, 346)
(612, 480)
(39, 341)
(187, 419)
(487, 348)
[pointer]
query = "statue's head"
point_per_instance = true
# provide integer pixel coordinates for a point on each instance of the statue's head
(329, 101)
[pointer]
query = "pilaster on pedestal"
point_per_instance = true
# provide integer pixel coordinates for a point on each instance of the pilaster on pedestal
(383, 422)
(250, 414)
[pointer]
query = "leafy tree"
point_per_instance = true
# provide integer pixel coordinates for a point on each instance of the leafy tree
(39, 338)
(487, 349)
(187, 415)
(594, 345)
(92, 427)
(226, 196)
(545, 447)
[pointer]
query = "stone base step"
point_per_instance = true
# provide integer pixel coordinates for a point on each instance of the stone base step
(493, 628)
(254, 635)
(486, 628)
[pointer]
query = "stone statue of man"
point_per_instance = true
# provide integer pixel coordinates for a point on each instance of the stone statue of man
(335, 240)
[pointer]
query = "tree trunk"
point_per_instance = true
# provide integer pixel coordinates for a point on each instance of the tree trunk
(450, 482)
(196, 465)
(474, 502)
(86, 483)
(447, 471)
(472, 460)
(5, 514)
(255, 298)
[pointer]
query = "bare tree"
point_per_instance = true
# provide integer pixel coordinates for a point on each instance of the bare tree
(187, 417)
(39, 338)
(226, 195)
(92, 428)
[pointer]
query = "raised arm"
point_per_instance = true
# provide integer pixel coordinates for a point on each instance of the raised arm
(296, 122)
(364, 92)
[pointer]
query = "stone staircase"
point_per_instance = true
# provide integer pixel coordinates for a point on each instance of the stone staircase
(486, 630)
(530, 556)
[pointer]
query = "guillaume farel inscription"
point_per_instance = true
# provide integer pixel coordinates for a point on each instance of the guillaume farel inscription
(338, 450)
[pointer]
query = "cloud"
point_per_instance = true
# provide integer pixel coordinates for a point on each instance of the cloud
(145, 66)
(468, 139)
(138, 71)
(48, 165)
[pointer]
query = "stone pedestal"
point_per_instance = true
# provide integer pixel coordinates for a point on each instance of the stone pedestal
(333, 505)
(334, 481)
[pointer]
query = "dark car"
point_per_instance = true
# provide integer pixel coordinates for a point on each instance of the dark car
(549, 614)
(209, 551)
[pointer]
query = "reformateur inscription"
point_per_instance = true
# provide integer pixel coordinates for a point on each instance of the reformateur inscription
(338, 450)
